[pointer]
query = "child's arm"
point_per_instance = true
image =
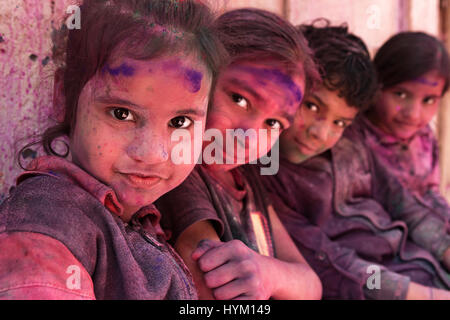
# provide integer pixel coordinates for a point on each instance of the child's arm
(234, 271)
(308, 285)
(419, 292)
(34, 266)
(186, 243)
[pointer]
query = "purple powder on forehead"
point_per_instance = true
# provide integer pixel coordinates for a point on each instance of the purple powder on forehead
(124, 69)
(194, 79)
(425, 81)
(278, 77)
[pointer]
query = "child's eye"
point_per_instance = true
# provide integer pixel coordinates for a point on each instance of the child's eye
(122, 114)
(180, 122)
(340, 123)
(311, 106)
(274, 124)
(239, 100)
(429, 100)
(400, 94)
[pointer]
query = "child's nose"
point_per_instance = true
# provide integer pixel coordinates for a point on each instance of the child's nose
(319, 131)
(414, 112)
(148, 147)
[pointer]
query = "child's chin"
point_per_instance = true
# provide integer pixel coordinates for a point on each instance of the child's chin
(138, 199)
(404, 135)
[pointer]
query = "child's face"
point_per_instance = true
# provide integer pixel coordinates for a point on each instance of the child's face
(254, 95)
(318, 125)
(407, 107)
(126, 115)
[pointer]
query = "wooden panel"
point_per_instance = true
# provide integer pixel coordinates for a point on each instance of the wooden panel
(374, 21)
(444, 115)
(25, 75)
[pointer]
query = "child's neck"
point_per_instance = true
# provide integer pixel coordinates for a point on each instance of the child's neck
(128, 213)
(226, 177)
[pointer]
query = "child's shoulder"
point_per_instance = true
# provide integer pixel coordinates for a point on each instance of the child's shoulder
(49, 189)
(351, 151)
(44, 200)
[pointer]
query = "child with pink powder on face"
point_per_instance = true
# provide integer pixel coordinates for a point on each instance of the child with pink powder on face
(134, 73)
(414, 73)
(221, 222)
(346, 199)
(397, 128)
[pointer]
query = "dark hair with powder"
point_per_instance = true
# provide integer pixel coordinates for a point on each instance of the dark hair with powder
(344, 62)
(407, 56)
(258, 34)
(136, 29)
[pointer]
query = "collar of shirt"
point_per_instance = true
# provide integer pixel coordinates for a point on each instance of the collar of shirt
(62, 168)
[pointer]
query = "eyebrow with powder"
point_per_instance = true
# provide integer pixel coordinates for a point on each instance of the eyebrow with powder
(119, 101)
(289, 117)
(321, 102)
(116, 101)
(245, 86)
(195, 112)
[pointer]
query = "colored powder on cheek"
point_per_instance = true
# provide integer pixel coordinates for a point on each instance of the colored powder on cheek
(194, 79)
(164, 154)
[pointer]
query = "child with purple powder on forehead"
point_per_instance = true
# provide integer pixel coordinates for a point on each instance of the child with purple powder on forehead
(414, 71)
(345, 208)
(221, 221)
(86, 228)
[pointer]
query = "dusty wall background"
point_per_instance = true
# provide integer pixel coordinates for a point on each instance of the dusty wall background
(26, 57)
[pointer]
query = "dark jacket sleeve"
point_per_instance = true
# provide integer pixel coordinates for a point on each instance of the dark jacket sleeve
(427, 227)
(343, 273)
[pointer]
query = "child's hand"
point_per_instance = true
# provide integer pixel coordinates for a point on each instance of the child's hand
(232, 270)
(420, 292)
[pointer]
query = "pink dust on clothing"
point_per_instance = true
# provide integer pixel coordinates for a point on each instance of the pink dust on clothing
(415, 162)
(59, 216)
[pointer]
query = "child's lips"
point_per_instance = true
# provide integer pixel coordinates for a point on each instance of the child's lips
(407, 124)
(140, 180)
(305, 147)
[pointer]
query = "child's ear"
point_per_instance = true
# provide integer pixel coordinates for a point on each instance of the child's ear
(59, 101)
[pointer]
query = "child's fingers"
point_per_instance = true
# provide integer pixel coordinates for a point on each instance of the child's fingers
(233, 250)
(202, 247)
(222, 275)
(232, 290)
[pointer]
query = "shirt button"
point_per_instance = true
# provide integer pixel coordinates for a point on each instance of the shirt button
(321, 256)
